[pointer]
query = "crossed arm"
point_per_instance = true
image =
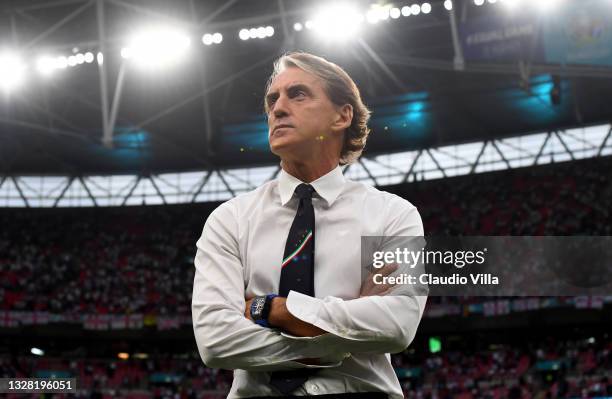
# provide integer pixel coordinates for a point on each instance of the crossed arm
(327, 329)
(281, 318)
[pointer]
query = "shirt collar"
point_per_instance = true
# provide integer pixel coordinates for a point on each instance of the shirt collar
(327, 186)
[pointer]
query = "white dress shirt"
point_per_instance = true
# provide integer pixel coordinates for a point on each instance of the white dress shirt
(239, 255)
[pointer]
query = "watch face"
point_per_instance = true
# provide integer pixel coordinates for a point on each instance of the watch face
(257, 307)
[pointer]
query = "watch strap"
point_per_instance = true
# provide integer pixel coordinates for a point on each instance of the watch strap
(262, 318)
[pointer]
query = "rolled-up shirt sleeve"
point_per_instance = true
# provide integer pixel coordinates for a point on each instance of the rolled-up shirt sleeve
(382, 324)
(224, 336)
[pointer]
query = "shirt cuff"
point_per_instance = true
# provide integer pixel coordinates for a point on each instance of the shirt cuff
(307, 309)
(304, 307)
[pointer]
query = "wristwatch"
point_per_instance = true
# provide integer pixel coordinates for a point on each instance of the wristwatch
(260, 309)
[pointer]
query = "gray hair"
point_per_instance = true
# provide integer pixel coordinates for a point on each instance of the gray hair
(340, 89)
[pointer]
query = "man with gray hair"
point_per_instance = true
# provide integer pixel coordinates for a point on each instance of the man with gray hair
(278, 294)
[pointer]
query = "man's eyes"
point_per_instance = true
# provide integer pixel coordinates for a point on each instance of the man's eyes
(271, 100)
(298, 94)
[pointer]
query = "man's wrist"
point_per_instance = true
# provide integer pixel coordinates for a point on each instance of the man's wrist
(278, 312)
(260, 309)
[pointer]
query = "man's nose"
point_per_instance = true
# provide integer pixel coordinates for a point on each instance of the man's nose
(281, 107)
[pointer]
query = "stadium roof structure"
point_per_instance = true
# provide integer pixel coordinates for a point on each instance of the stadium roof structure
(85, 108)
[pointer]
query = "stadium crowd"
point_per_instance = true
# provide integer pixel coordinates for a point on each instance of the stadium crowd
(557, 200)
(550, 368)
(140, 260)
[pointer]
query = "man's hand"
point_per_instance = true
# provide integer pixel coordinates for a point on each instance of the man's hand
(300, 328)
(280, 317)
(370, 288)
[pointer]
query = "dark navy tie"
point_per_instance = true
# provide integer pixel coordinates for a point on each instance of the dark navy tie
(297, 274)
(297, 271)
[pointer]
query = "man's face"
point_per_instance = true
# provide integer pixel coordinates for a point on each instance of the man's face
(300, 114)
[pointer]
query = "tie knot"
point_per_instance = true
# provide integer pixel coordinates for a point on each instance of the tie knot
(304, 191)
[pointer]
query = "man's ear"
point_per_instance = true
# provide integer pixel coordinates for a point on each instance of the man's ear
(344, 118)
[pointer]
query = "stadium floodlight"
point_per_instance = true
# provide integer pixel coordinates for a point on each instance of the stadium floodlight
(254, 33)
(395, 13)
(207, 39)
(379, 13)
(309, 24)
(492, 1)
(210, 38)
(384, 13)
(100, 58)
(448, 4)
(338, 22)
(372, 16)
(46, 65)
(61, 62)
(298, 26)
(415, 9)
(12, 71)
(37, 351)
(479, 2)
(426, 8)
(157, 47)
(406, 11)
